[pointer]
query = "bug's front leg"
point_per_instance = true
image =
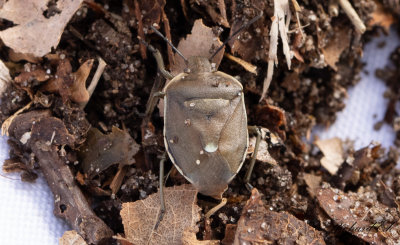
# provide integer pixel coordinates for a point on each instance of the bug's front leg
(160, 62)
(257, 131)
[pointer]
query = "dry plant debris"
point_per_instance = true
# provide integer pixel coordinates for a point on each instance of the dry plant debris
(258, 225)
(5, 77)
(382, 17)
(43, 135)
(189, 238)
(205, 42)
(33, 18)
(71, 238)
(333, 154)
(100, 151)
(182, 213)
(361, 215)
(70, 86)
(279, 27)
(334, 48)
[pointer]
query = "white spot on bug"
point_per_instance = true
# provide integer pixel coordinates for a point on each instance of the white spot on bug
(201, 152)
(198, 162)
(192, 104)
(211, 147)
(171, 141)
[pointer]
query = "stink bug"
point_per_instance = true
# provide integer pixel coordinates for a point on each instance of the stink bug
(205, 123)
(205, 126)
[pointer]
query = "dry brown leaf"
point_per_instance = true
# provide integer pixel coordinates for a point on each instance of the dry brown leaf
(32, 24)
(140, 217)
(349, 171)
(5, 77)
(333, 154)
(189, 238)
(70, 85)
(361, 215)
(337, 44)
(100, 151)
(202, 42)
(273, 118)
(258, 225)
(71, 238)
(381, 17)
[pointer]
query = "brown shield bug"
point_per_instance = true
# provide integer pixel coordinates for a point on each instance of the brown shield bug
(205, 123)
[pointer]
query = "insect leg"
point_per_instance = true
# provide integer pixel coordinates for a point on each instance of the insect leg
(160, 62)
(162, 201)
(256, 130)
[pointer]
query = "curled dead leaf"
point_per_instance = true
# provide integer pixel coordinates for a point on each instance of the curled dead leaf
(100, 151)
(70, 85)
(182, 213)
(26, 36)
(273, 118)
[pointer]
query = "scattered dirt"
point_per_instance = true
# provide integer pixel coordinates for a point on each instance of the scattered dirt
(99, 147)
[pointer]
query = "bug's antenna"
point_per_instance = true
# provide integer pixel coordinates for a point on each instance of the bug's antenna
(237, 32)
(169, 43)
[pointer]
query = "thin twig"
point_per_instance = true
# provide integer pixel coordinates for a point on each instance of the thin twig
(353, 16)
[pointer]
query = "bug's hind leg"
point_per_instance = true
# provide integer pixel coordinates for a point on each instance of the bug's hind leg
(216, 208)
(257, 131)
(162, 200)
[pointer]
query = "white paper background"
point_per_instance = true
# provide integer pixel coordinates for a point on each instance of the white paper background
(26, 210)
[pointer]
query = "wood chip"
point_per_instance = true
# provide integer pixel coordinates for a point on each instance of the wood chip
(246, 65)
(71, 238)
(333, 154)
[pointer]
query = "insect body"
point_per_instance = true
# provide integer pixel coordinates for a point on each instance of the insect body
(205, 126)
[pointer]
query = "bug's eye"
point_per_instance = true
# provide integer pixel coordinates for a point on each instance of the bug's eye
(207, 106)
